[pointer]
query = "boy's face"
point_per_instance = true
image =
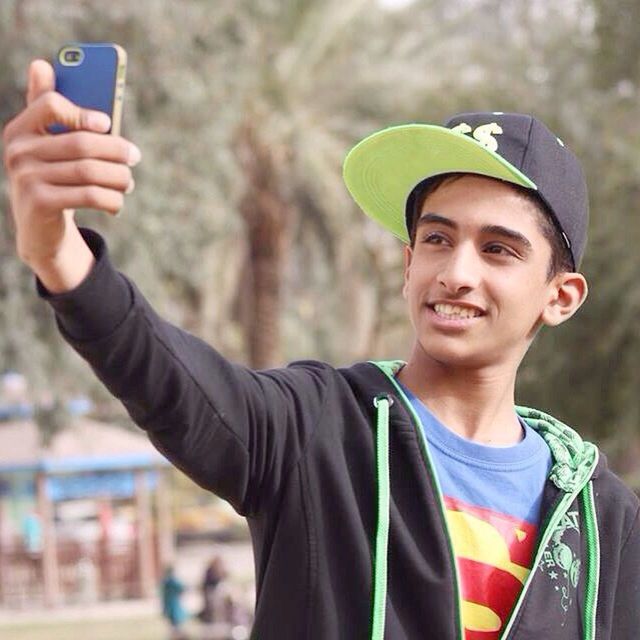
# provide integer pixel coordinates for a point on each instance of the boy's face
(476, 280)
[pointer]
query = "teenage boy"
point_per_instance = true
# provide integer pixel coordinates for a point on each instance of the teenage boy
(387, 500)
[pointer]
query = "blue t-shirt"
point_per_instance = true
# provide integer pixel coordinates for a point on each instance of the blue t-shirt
(492, 498)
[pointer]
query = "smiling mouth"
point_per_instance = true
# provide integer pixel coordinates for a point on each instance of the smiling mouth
(455, 312)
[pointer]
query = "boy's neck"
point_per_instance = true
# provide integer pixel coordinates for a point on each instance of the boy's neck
(476, 403)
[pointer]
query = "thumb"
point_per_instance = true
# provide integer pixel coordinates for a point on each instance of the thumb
(40, 80)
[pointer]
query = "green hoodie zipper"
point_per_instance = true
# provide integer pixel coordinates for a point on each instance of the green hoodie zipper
(381, 404)
(574, 464)
(389, 369)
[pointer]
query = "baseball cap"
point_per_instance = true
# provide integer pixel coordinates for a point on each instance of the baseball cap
(383, 171)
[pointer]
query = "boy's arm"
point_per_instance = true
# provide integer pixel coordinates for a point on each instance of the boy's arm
(234, 431)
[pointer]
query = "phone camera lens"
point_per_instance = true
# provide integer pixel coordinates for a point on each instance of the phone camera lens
(71, 56)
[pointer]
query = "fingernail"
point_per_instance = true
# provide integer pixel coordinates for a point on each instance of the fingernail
(130, 187)
(135, 155)
(98, 121)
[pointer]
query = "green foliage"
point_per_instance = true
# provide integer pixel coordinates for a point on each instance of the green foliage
(316, 76)
(618, 52)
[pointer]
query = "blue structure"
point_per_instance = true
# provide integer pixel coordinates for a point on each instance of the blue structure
(93, 468)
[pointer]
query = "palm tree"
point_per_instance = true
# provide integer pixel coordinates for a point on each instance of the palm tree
(316, 76)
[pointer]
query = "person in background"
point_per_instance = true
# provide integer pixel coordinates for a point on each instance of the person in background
(32, 534)
(214, 574)
(172, 609)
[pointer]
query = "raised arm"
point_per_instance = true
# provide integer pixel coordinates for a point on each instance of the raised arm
(236, 432)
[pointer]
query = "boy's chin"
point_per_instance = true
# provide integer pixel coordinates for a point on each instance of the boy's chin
(460, 356)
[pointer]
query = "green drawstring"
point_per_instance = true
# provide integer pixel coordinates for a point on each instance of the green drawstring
(382, 404)
(592, 579)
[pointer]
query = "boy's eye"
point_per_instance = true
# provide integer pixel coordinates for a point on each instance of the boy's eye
(434, 238)
(498, 249)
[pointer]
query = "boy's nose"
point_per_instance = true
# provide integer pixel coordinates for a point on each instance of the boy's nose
(461, 270)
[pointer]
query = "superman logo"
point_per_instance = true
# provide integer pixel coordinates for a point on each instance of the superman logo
(494, 553)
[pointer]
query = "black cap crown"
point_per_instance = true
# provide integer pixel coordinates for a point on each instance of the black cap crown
(527, 144)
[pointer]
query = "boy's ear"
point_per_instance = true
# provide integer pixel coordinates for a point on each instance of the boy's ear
(408, 254)
(570, 290)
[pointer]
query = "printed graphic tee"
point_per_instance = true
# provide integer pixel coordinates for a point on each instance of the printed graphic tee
(492, 497)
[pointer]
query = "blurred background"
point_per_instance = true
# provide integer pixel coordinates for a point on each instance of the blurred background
(241, 231)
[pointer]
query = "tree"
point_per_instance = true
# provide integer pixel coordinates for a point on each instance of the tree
(249, 107)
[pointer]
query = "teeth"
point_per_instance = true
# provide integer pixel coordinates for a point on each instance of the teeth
(452, 311)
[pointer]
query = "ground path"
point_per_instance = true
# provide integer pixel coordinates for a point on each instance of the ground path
(190, 564)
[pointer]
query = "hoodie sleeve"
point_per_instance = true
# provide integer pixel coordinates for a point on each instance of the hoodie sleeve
(234, 431)
(626, 612)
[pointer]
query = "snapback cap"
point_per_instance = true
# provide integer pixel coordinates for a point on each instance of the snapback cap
(383, 170)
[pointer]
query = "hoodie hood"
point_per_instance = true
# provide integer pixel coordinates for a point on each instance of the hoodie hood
(574, 459)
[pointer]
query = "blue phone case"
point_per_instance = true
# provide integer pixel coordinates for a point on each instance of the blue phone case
(92, 76)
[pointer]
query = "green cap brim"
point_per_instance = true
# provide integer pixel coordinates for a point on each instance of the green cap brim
(382, 170)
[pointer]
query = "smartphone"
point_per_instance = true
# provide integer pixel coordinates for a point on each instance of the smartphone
(92, 75)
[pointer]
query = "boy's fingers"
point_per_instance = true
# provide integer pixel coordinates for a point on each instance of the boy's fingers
(75, 145)
(56, 198)
(41, 78)
(51, 108)
(46, 107)
(109, 175)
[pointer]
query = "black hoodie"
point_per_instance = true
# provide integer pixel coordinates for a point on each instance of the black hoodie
(332, 471)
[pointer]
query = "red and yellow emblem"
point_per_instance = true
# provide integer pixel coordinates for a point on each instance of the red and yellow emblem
(494, 553)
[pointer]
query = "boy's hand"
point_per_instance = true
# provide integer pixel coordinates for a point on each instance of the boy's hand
(51, 175)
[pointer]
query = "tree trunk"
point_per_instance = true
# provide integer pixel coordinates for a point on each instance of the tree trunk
(266, 214)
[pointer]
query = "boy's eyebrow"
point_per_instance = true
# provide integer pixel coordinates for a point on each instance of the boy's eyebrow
(434, 217)
(493, 229)
(516, 236)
